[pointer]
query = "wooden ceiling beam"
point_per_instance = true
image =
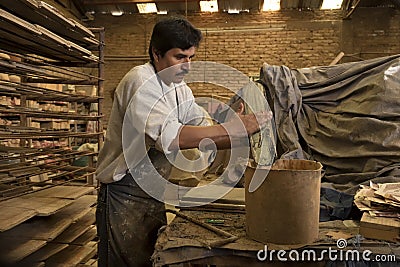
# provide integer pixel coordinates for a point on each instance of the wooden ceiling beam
(352, 9)
(110, 2)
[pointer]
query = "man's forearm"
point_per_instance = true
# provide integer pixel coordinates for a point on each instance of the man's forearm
(191, 136)
(223, 136)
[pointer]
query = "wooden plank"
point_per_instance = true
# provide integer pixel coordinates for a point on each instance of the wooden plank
(44, 206)
(72, 25)
(92, 244)
(44, 41)
(77, 228)
(48, 228)
(8, 149)
(43, 254)
(86, 237)
(379, 234)
(15, 249)
(40, 228)
(64, 191)
(13, 190)
(71, 256)
(41, 14)
(19, 22)
(380, 228)
(22, 45)
(91, 262)
(13, 216)
(80, 207)
(380, 222)
(197, 194)
(37, 264)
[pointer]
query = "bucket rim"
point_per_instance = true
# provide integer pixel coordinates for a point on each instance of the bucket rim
(318, 164)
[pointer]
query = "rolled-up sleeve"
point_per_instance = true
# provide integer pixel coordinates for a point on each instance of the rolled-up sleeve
(154, 114)
(192, 113)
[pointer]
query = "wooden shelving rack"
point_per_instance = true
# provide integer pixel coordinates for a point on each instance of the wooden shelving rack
(51, 90)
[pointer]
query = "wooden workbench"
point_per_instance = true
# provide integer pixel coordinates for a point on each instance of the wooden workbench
(185, 243)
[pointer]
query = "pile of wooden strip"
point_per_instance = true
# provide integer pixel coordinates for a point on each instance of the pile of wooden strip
(51, 226)
(381, 206)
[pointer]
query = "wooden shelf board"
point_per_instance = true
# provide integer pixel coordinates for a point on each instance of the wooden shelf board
(80, 207)
(15, 110)
(15, 249)
(49, 227)
(12, 216)
(89, 235)
(40, 228)
(77, 229)
(71, 256)
(43, 253)
(44, 42)
(47, 135)
(64, 191)
(31, 162)
(38, 45)
(44, 206)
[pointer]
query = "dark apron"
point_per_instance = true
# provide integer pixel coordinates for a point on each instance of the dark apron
(128, 219)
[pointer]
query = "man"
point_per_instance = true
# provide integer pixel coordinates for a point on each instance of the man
(152, 104)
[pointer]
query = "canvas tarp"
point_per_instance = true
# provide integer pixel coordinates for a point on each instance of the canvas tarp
(346, 116)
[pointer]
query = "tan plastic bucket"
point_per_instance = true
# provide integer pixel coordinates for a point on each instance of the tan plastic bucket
(284, 209)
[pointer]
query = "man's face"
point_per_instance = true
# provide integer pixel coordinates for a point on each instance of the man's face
(174, 65)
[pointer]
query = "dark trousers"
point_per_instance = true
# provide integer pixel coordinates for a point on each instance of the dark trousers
(127, 221)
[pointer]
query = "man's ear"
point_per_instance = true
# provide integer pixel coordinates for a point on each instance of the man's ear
(241, 108)
(156, 54)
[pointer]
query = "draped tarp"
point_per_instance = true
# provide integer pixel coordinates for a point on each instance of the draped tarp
(346, 116)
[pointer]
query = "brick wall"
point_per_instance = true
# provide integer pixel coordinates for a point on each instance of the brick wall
(372, 33)
(246, 41)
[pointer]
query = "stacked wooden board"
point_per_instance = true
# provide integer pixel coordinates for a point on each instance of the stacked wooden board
(62, 38)
(60, 228)
(381, 206)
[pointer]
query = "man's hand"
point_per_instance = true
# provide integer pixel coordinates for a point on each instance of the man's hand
(223, 135)
(245, 125)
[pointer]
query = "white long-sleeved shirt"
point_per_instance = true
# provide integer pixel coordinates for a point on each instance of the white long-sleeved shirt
(145, 113)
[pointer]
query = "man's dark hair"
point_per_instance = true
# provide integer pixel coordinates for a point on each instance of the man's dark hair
(173, 32)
